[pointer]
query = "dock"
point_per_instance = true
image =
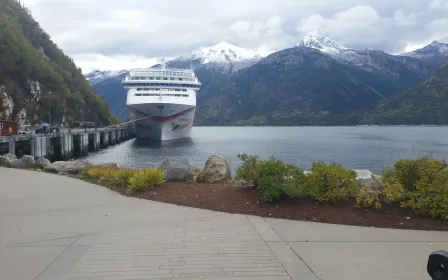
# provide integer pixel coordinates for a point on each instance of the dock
(66, 145)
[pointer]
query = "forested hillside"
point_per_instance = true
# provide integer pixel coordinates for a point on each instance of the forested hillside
(36, 76)
(426, 103)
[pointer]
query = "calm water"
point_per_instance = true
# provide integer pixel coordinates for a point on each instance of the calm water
(353, 147)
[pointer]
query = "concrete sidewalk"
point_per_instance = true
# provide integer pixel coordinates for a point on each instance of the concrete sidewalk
(54, 227)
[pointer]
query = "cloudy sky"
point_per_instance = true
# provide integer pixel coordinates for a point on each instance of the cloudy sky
(121, 34)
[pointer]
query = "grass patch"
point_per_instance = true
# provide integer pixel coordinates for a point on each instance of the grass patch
(129, 180)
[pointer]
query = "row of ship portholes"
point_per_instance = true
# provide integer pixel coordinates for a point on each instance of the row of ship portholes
(163, 94)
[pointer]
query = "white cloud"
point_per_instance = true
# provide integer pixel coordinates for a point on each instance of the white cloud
(116, 30)
(413, 47)
(438, 28)
(89, 62)
(354, 24)
(439, 4)
(404, 19)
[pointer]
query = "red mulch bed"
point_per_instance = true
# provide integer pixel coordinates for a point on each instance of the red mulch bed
(231, 199)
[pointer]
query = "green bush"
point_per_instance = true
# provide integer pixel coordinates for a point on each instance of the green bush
(248, 170)
(272, 177)
(122, 177)
(409, 171)
(390, 191)
(146, 179)
(331, 182)
(431, 192)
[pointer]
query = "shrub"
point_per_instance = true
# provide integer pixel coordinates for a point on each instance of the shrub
(431, 194)
(98, 173)
(331, 182)
(390, 191)
(272, 177)
(409, 171)
(248, 170)
(121, 177)
(367, 197)
(388, 173)
(145, 179)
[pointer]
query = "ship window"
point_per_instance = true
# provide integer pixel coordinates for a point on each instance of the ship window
(180, 79)
(165, 78)
(185, 95)
(157, 78)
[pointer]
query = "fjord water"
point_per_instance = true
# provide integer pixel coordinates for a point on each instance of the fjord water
(353, 147)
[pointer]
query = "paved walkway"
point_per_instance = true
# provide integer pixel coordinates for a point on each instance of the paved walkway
(54, 227)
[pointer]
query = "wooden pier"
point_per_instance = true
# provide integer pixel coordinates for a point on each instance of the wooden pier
(65, 145)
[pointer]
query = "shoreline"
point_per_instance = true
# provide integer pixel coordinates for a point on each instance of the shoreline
(239, 197)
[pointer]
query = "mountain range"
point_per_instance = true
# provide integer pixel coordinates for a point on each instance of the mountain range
(316, 82)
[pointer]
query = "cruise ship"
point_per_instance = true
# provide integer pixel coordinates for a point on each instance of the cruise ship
(162, 101)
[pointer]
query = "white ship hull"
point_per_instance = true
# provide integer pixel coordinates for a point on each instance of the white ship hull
(174, 121)
(162, 102)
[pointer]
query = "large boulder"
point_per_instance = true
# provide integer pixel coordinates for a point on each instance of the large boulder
(5, 160)
(196, 171)
(27, 161)
(15, 163)
(67, 167)
(216, 170)
(10, 157)
(177, 169)
(42, 163)
(365, 177)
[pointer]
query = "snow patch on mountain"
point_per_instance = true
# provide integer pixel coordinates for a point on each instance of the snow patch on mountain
(435, 48)
(222, 52)
(96, 76)
(316, 41)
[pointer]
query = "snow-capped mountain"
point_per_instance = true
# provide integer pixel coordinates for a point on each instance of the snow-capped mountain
(96, 76)
(371, 60)
(222, 55)
(222, 52)
(433, 55)
(435, 48)
(316, 41)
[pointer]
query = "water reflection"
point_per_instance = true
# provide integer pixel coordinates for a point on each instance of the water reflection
(179, 143)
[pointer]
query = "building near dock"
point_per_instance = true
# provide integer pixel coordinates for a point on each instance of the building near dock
(8, 128)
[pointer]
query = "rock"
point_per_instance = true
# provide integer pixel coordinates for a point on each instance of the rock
(67, 167)
(242, 184)
(27, 161)
(16, 163)
(10, 157)
(196, 171)
(365, 177)
(216, 170)
(56, 167)
(42, 163)
(177, 169)
(4, 162)
(110, 165)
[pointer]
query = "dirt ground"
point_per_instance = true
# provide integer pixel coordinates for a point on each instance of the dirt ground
(231, 199)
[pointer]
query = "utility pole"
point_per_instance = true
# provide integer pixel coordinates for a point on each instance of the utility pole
(83, 108)
(49, 111)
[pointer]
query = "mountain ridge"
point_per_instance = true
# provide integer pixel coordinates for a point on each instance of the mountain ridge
(37, 78)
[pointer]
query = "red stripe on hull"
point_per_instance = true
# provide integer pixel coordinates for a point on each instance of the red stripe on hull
(168, 118)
